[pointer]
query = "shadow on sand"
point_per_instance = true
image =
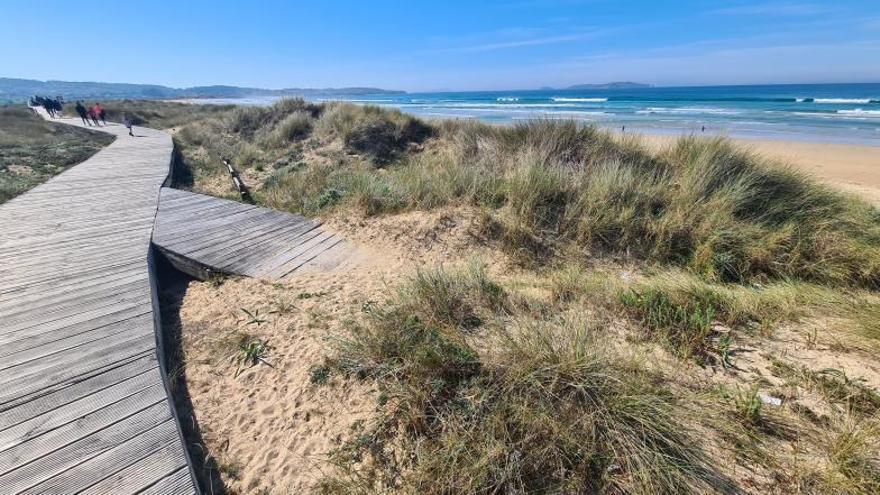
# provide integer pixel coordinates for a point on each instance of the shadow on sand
(172, 289)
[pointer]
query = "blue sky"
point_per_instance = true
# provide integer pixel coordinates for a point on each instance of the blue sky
(454, 45)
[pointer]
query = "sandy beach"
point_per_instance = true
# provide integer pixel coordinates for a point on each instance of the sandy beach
(853, 168)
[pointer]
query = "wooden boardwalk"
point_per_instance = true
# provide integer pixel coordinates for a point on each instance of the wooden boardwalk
(83, 401)
(203, 235)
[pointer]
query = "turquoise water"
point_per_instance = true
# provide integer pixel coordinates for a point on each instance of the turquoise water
(842, 113)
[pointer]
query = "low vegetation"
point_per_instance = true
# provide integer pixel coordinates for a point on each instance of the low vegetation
(484, 389)
(33, 150)
(702, 204)
(483, 398)
(611, 358)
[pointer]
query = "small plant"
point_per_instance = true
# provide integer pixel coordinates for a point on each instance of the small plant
(250, 351)
(309, 295)
(282, 306)
(319, 374)
(230, 469)
(724, 351)
(329, 198)
(685, 326)
(254, 318)
(748, 405)
(216, 279)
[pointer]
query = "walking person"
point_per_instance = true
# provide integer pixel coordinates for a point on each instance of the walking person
(102, 114)
(82, 112)
(47, 105)
(128, 123)
(93, 114)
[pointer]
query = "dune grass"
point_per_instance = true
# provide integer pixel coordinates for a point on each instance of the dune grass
(484, 391)
(33, 150)
(702, 204)
(482, 398)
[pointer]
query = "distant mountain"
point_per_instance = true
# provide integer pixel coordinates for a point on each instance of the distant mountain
(16, 90)
(611, 85)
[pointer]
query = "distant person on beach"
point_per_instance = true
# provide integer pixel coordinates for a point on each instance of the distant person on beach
(82, 112)
(128, 123)
(703, 129)
(623, 129)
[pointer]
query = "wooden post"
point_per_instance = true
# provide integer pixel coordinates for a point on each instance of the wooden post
(238, 183)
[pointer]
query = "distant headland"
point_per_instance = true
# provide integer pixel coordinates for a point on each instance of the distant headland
(21, 89)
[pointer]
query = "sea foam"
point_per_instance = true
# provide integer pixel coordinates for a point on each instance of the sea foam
(860, 112)
(842, 100)
(585, 100)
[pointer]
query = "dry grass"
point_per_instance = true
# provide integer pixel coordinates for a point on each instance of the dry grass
(481, 399)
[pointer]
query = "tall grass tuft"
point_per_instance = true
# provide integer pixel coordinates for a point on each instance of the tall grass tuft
(539, 406)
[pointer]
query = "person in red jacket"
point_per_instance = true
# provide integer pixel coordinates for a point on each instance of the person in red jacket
(100, 113)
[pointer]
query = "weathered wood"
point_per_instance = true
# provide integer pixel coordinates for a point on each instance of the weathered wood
(239, 239)
(83, 402)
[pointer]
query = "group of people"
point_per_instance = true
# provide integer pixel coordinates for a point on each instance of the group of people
(53, 106)
(92, 114)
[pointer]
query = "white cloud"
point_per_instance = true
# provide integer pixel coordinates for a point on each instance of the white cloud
(775, 9)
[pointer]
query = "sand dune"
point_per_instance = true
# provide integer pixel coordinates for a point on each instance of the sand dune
(852, 168)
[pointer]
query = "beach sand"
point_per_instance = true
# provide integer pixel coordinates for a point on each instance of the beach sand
(855, 169)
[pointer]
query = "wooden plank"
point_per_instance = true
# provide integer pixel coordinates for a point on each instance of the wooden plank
(15, 414)
(30, 448)
(177, 483)
(48, 344)
(33, 377)
(152, 450)
(261, 242)
(24, 476)
(76, 410)
(144, 472)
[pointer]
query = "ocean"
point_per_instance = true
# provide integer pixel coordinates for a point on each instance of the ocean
(836, 113)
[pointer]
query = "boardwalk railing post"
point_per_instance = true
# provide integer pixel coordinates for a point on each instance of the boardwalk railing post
(238, 183)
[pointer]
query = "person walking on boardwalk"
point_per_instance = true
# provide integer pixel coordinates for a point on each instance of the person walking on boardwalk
(102, 114)
(98, 111)
(82, 112)
(49, 107)
(93, 114)
(128, 123)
